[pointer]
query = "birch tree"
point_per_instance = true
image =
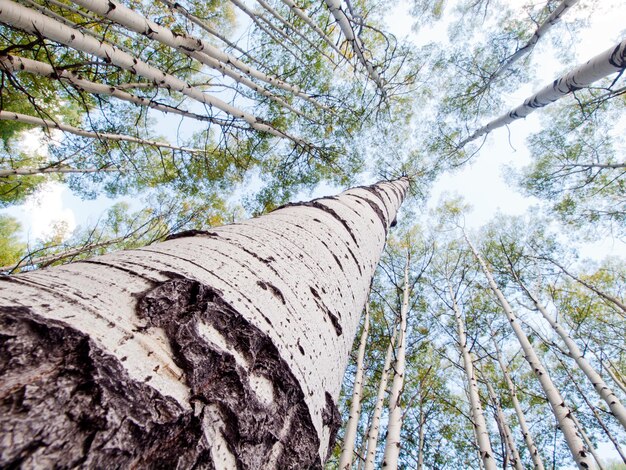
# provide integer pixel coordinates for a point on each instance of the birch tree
(167, 336)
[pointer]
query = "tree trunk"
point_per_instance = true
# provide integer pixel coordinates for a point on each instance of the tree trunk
(562, 413)
(49, 124)
(420, 441)
(222, 349)
(610, 61)
(516, 461)
(521, 418)
(477, 415)
(393, 442)
(345, 460)
(592, 450)
(22, 64)
(374, 428)
(54, 169)
(596, 380)
(554, 18)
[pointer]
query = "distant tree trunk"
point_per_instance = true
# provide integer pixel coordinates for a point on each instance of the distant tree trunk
(54, 169)
(516, 461)
(393, 442)
(562, 412)
(222, 349)
(420, 441)
(610, 61)
(521, 418)
(345, 460)
(477, 415)
(374, 428)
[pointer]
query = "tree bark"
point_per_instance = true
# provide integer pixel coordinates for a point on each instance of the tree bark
(610, 61)
(51, 169)
(374, 428)
(394, 442)
(345, 459)
(562, 413)
(222, 349)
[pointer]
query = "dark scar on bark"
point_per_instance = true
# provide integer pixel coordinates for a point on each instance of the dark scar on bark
(275, 290)
(68, 403)
(331, 418)
(192, 233)
(65, 403)
(376, 209)
(251, 427)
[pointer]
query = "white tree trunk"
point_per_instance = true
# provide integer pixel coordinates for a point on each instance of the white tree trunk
(480, 426)
(30, 21)
(374, 428)
(51, 169)
(14, 63)
(516, 461)
(610, 61)
(553, 19)
(49, 124)
(596, 380)
(394, 425)
(521, 418)
(345, 459)
(561, 411)
(357, 46)
(222, 349)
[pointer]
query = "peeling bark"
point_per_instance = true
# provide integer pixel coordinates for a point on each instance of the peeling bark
(208, 350)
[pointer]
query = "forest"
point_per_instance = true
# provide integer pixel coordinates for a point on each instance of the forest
(324, 234)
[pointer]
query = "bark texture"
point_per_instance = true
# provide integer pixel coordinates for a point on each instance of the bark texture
(222, 349)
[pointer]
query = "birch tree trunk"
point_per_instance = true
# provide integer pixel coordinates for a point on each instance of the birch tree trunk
(50, 124)
(373, 431)
(609, 397)
(610, 61)
(222, 349)
(521, 418)
(478, 417)
(562, 413)
(516, 461)
(345, 460)
(54, 169)
(393, 442)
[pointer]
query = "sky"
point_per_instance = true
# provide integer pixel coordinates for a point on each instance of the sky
(481, 183)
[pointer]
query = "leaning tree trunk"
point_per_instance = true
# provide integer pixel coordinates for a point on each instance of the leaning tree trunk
(345, 460)
(393, 442)
(561, 411)
(515, 460)
(610, 61)
(221, 349)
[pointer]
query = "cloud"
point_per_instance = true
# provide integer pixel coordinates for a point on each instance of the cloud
(46, 210)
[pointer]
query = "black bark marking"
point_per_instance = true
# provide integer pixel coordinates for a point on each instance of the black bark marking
(376, 209)
(333, 318)
(275, 290)
(66, 403)
(331, 418)
(214, 377)
(192, 233)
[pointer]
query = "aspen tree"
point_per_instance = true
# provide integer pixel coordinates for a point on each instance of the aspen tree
(345, 460)
(611, 61)
(393, 441)
(211, 348)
